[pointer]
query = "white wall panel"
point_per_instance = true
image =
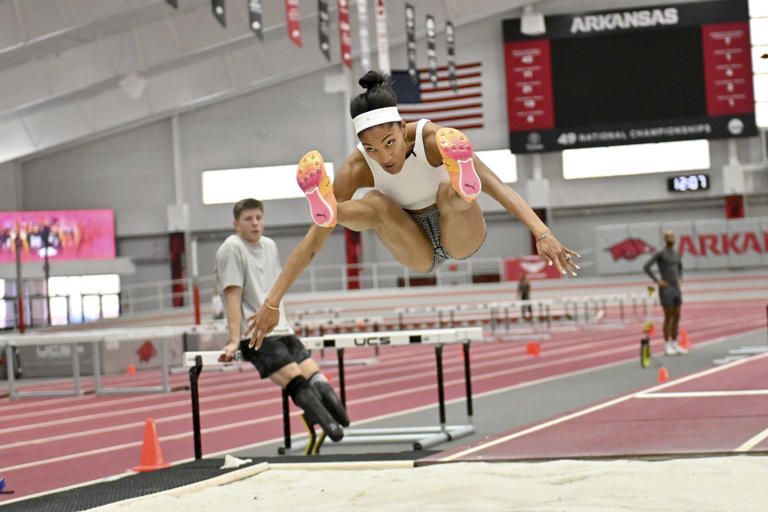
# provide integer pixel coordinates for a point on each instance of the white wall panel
(131, 173)
(32, 75)
(173, 89)
(107, 108)
(14, 138)
(56, 125)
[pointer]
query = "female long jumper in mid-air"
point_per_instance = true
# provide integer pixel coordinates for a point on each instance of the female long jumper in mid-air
(424, 180)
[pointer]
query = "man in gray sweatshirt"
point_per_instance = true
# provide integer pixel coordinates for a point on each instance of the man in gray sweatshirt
(670, 273)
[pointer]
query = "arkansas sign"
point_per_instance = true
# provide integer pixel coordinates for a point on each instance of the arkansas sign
(703, 244)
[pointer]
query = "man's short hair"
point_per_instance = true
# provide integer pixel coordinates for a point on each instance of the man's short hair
(248, 203)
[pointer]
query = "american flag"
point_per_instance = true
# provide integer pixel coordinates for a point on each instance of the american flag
(461, 109)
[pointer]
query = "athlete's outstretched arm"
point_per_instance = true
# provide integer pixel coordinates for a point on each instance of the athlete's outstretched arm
(267, 317)
(547, 245)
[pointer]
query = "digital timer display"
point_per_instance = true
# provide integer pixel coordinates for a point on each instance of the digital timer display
(688, 183)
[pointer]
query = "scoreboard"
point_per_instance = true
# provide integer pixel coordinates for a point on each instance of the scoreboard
(630, 76)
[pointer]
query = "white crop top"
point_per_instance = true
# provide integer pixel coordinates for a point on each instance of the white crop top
(415, 186)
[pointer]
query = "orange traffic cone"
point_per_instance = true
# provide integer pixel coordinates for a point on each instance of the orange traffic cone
(663, 375)
(533, 348)
(131, 369)
(151, 455)
(685, 342)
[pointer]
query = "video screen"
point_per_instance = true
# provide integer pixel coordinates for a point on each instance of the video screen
(61, 234)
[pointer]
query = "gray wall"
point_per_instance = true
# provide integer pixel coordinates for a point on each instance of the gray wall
(132, 171)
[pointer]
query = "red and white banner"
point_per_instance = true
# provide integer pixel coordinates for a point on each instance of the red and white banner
(365, 45)
(702, 244)
(727, 68)
(533, 266)
(344, 33)
(292, 21)
(382, 39)
(530, 102)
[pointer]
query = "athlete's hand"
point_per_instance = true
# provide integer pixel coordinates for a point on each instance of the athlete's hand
(260, 324)
(663, 283)
(554, 253)
(229, 350)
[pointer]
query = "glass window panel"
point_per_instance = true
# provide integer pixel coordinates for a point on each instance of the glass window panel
(227, 185)
(761, 114)
(91, 308)
(502, 162)
(635, 159)
(758, 8)
(758, 29)
(110, 306)
(75, 309)
(761, 88)
(759, 65)
(59, 311)
(105, 283)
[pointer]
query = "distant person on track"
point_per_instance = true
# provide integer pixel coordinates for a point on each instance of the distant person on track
(670, 296)
(524, 293)
(247, 265)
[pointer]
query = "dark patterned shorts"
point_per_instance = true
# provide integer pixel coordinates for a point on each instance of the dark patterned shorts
(274, 353)
(429, 221)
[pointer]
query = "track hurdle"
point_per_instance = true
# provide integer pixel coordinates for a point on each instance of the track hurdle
(421, 437)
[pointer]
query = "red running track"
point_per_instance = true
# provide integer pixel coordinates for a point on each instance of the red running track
(48, 443)
(719, 410)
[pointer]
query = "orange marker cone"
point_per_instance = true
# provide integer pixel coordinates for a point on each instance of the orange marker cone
(151, 455)
(533, 348)
(685, 342)
(131, 369)
(663, 375)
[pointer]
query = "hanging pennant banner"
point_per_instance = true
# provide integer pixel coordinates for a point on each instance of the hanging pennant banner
(217, 6)
(173, 3)
(410, 33)
(254, 17)
(324, 28)
(344, 33)
(431, 50)
(382, 40)
(292, 21)
(365, 45)
(450, 43)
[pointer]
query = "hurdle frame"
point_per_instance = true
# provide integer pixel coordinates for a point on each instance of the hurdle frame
(421, 437)
(74, 339)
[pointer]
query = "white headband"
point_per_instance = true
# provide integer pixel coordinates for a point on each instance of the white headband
(375, 118)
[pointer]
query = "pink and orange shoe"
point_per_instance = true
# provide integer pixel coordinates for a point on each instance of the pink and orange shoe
(318, 188)
(456, 150)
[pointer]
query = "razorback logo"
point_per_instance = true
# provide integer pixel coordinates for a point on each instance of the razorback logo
(146, 351)
(629, 248)
(533, 267)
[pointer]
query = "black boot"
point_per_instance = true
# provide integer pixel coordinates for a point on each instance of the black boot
(328, 396)
(315, 412)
